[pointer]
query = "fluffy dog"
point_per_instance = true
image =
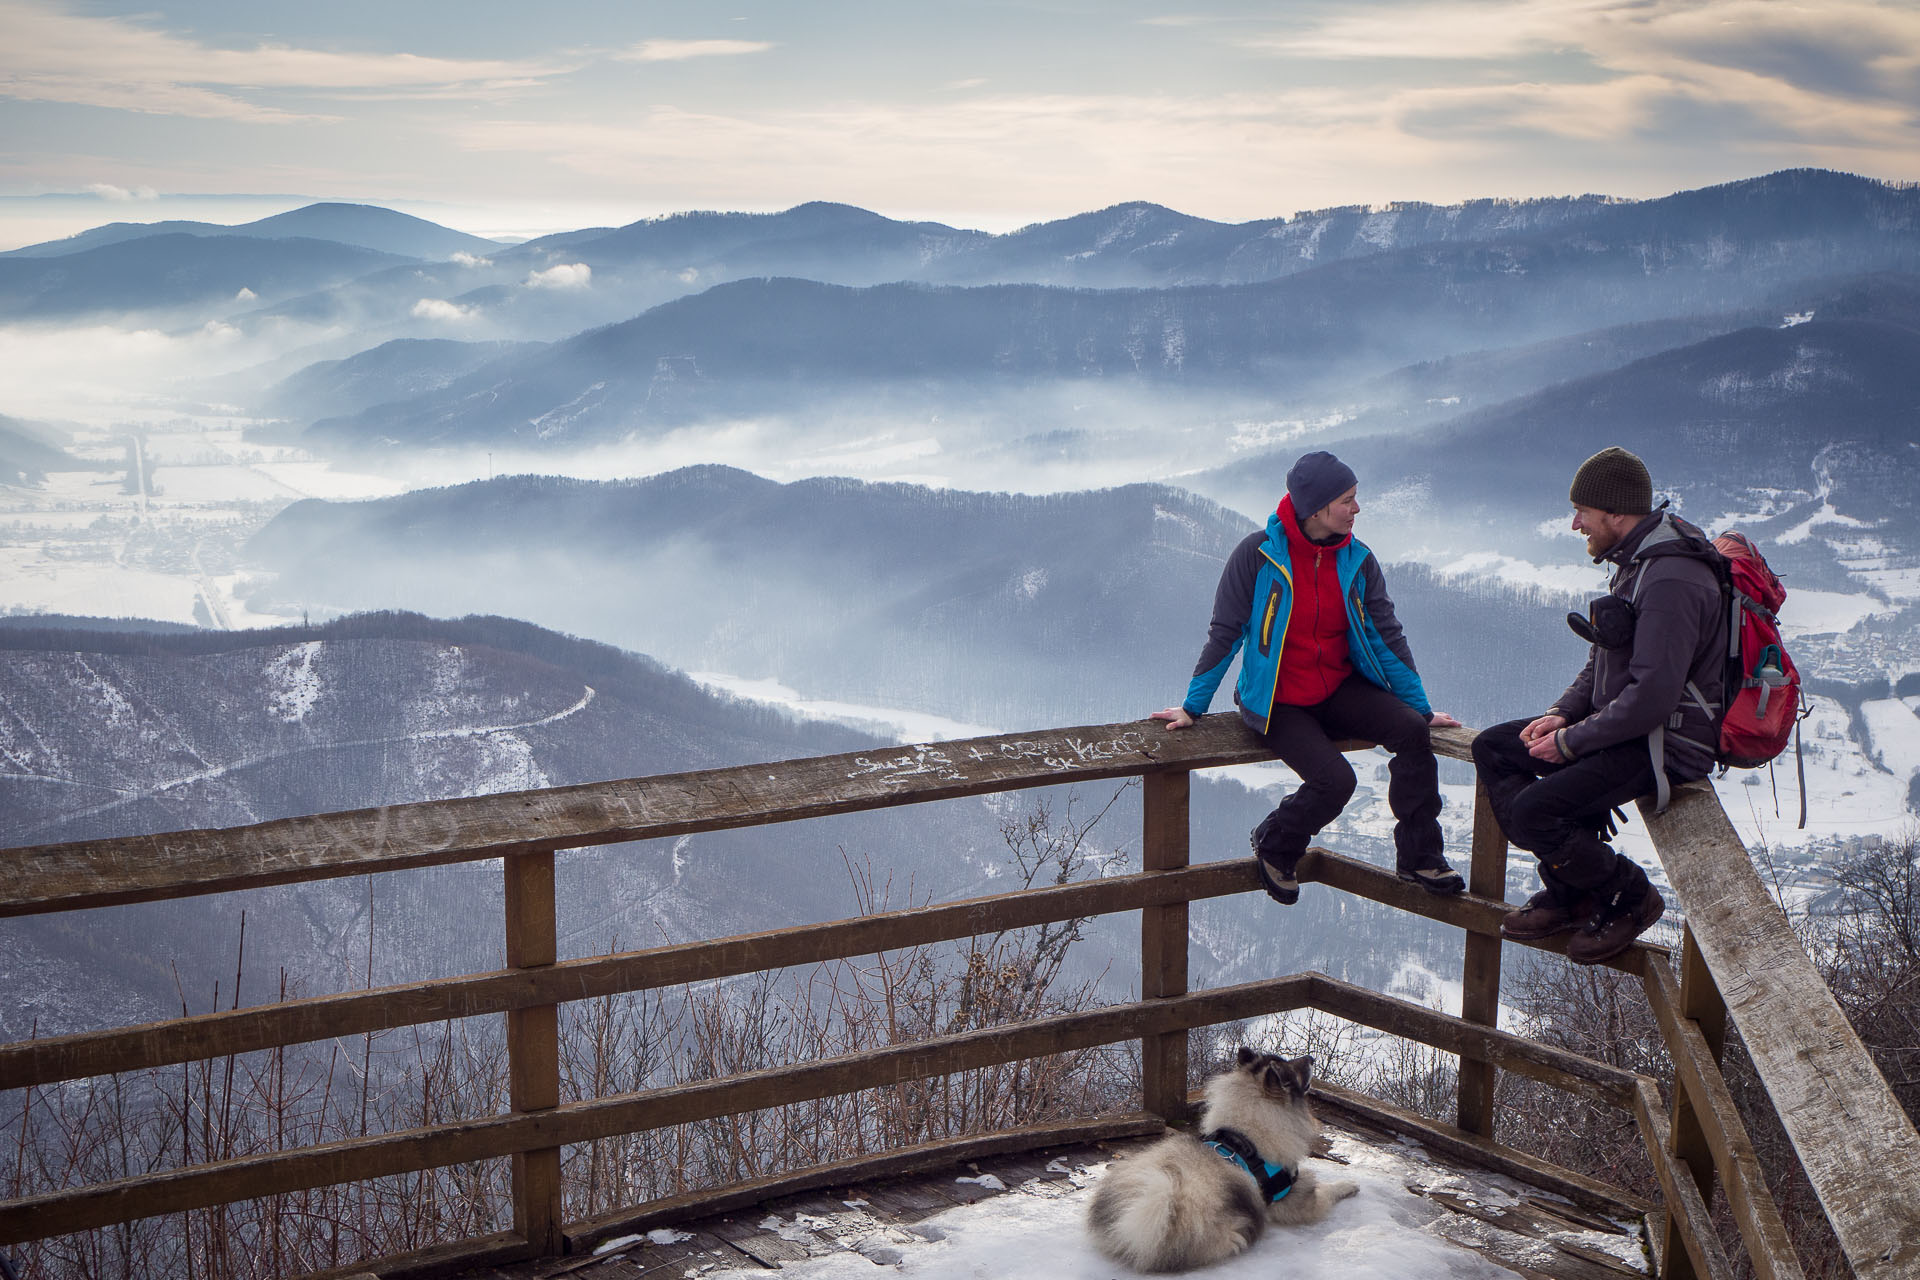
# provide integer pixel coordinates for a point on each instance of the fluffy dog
(1190, 1202)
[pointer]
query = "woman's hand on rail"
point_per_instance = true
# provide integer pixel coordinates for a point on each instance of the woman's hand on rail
(1176, 717)
(1441, 720)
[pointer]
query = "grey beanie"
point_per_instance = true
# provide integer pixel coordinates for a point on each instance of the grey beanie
(1317, 479)
(1613, 480)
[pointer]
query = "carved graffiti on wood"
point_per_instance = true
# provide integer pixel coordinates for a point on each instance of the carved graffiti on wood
(950, 765)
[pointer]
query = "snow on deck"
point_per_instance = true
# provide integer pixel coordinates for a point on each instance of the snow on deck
(1414, 1217)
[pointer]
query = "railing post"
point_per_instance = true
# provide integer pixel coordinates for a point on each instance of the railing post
(533, 1048)
(1480, 976)
(1699, 1000)
(1163, 942)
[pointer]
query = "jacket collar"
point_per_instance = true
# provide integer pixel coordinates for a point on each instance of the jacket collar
(1652, 529)
(1297, 537)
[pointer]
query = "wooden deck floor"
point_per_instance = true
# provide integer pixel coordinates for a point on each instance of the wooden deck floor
(1535, 1234)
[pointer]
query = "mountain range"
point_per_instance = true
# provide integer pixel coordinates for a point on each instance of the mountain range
(1608, 280)
(991, 608)
(361, 225)
(1775, 424)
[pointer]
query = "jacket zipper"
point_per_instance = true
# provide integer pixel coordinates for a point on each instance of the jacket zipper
(1319, 606)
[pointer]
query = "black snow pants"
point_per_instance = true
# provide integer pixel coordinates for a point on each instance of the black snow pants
(1303, 738)
(1559, 812)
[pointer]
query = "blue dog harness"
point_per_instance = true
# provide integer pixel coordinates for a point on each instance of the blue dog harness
(1235, 1147)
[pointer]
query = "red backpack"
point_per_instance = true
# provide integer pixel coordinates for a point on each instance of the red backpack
(1763, 685)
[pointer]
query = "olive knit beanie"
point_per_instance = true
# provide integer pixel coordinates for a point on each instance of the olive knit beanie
(1613, 480)
(1317, 479)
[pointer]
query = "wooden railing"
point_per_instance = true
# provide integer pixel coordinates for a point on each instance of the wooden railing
(1739, 959)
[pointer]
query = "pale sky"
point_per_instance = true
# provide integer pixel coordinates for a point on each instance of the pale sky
(520, 118)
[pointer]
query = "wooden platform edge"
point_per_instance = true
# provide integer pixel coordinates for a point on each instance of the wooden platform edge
(1589, 1193)
(582, 1236)
(438, 1262)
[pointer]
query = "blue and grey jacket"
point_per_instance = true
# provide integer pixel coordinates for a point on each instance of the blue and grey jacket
(1251, 608)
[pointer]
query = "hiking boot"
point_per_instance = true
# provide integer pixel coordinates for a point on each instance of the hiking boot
(1276, 871)
(1614, 927)
(1440, 881)
(1546, 914)
(1279, 882)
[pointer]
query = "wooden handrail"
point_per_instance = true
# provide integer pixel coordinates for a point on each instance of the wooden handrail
(97, 873)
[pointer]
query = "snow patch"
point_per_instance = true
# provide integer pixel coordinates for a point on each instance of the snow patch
(890, 722)
(1826, 515)
(296, 685)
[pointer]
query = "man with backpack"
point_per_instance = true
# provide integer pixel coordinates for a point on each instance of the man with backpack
(1642, 713)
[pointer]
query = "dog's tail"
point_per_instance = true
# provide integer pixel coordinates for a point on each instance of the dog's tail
(1161, 1218)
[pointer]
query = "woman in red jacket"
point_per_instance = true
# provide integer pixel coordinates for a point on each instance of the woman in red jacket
(1322, 657)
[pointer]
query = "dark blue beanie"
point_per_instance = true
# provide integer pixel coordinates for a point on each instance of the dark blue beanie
(1317, 479)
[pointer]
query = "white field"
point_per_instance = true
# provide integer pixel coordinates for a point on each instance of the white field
(83, 544)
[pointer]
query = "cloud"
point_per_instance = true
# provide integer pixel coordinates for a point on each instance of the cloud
(470, 259)
(1830, 83)
(107, 191)
(126, 64)
(570, 275)
(680, 50)
(1393, 131)
(440, 309)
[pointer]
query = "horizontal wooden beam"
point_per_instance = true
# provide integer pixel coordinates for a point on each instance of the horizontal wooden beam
(181, 863)
(360, 1159)
(1698, 1073)
(83, 1054)
(456, 1260)
(1536, 1061)
(1858, 1147)
(96, 873)
(584, 1235)
(406, 1151)
(1461, 910)
(1459, 1144)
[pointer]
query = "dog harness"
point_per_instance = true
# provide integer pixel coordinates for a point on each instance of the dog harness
(1235, 1147)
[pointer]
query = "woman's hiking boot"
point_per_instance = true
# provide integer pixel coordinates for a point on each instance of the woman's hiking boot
(1547, 913)
(1276, 866)
(1439, 880)
(1278, 881)
(1615, 925)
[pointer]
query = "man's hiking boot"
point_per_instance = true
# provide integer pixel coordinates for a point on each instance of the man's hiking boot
(1546, 914)
(1614, 927)
(1440, 881)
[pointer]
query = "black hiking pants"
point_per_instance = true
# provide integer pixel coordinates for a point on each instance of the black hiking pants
(1558, 812)
(1303, 738)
